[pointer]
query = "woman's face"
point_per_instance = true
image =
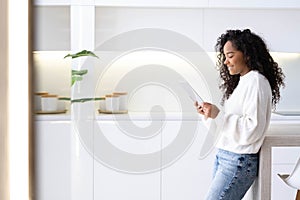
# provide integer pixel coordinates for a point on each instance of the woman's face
(234, 61)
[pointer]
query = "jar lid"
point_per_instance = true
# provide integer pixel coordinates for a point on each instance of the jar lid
(50, 95)
(111, 95)
(41, 93)
(120, 93)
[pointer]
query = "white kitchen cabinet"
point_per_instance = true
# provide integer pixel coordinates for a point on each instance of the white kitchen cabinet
(201, 21)
(52, 28)
(277, 26)
(154, 3)
(186, 175)
(52, 160)
(127, 3)
(254, 4)
(283, 162)
(280, 190)
(127, 160)
(179, 3)
(108, 26)
(176, 172)
(52, 2)
(210, 23)
(114, 172)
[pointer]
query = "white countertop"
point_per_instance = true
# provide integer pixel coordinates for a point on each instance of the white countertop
(275, 118)
(129, 116)
(279, 125)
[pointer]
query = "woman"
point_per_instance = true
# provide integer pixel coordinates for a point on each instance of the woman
(251, 81)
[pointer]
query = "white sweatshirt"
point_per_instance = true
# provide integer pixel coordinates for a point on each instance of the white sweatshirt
(246, 115)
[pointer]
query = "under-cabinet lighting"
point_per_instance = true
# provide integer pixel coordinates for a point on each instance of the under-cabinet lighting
(284, 55)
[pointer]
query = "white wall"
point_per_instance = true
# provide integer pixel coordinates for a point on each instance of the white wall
(52, 72)
(290, 100)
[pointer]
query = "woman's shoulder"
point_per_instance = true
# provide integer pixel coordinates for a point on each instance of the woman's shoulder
(260, 82)
(255, 76)
(256, 79)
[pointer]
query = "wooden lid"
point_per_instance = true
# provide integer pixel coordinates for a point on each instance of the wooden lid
(41, 93)
(120, 93)
(50, 95)
(111, 95)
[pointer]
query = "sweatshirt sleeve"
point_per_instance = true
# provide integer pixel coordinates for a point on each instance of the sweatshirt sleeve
(248, 126)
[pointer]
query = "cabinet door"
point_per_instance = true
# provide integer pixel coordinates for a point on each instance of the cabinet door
(283, 162)
(52, 28)
(127, 160)
(273, 4)
(215, 26)
(52, 152)
(184, 174)
(153, 3)
(279, 189)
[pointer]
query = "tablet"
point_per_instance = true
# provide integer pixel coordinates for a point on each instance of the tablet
(194, 96)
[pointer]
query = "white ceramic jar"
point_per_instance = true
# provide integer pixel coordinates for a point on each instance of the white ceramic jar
(102, 106)
(37, 100)
(122, 100)
(49, 103)
(112, 103)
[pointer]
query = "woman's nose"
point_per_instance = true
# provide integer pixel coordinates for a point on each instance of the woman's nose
(225, 62)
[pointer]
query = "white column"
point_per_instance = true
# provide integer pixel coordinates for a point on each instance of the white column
(82, 161)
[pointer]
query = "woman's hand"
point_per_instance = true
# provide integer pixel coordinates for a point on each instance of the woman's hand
(207, 109)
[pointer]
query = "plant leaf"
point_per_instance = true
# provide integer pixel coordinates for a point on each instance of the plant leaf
(81, 53)
(64, 98)
(76, 78)
(82, 100)
(79, 72)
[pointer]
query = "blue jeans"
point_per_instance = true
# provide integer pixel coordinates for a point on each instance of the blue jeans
(233, 175)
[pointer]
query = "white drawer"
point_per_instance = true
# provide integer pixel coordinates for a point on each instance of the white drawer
(280, 190)
(285, 155)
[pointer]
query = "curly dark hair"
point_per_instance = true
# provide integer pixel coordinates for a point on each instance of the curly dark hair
(257, 57)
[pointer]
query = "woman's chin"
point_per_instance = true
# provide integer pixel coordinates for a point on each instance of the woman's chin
(232, 73)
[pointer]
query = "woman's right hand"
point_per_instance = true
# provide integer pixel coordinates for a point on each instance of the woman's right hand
(207, 109)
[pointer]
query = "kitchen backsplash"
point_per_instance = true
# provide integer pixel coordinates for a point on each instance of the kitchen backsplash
(151, 77)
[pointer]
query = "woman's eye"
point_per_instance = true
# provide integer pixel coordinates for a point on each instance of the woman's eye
(229, 56)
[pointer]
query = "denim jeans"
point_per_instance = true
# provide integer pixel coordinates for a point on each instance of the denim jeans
(233, 175)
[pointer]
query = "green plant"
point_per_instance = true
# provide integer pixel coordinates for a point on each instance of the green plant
(81, 53)
(77, 75)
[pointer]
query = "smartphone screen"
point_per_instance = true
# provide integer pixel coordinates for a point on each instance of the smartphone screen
(193, 95)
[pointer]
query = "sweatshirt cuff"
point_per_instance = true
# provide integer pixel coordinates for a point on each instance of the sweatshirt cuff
(219, 120)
